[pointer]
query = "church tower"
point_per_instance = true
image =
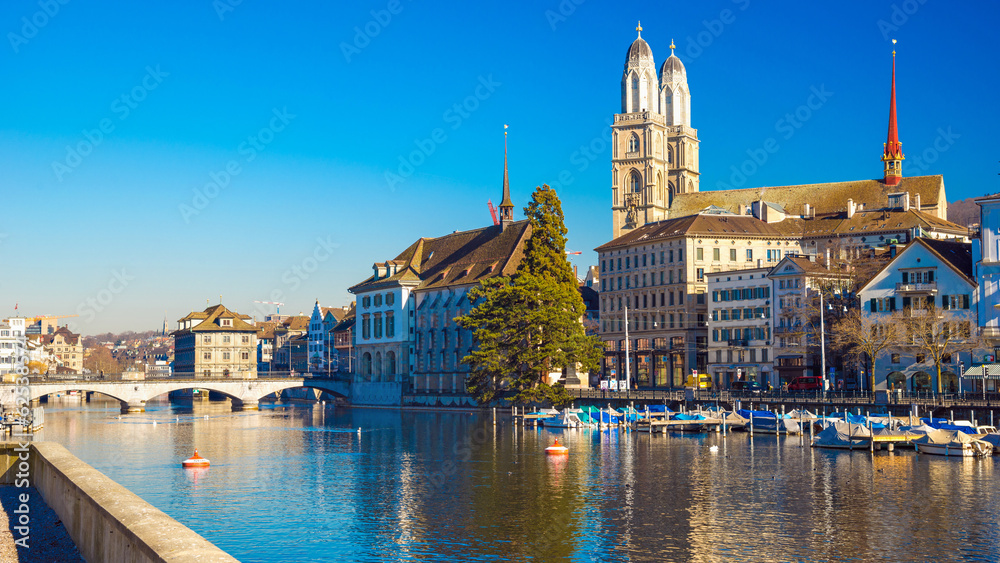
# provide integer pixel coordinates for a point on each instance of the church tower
(506, 207)
(892, 152)
(655, 150)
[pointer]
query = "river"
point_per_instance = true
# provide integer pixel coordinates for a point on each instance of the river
(326, 483)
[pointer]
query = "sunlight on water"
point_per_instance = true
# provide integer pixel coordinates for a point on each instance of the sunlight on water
(300, 483)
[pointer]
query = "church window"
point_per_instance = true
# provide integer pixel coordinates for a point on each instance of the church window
(635, 182)
(670, 153)
(633, 143)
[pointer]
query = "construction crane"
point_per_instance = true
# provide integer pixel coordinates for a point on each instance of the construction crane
(493, 211)
(568, 252)
(277, 305)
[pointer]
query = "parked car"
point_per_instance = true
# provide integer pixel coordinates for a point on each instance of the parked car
(749, 386)
(704, 381)
(806, 383)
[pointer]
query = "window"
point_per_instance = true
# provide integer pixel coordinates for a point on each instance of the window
(635, 183)
(699, 254)
(245, 339)
(628, 262)
(244, 355)
(700, 274)
(671, 256)
(699, 297)
(633, 143)
(225, 339)
(749, 255)
(366, 301)
(920, 358)
(225, 355)
(603, 266)
(390, 298)
(680, 254)
(732, 254)
(366, 327)
(378, 299)
(643, 260)
(716, 253)
(207, 356)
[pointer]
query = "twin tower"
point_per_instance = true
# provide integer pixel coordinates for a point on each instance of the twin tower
(655, 148)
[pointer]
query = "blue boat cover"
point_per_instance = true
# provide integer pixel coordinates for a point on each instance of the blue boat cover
(685, 416)
(745, 413)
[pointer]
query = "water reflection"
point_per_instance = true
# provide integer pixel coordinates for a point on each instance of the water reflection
(300, 483)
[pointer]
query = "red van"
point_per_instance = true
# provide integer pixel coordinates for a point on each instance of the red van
(806, 383)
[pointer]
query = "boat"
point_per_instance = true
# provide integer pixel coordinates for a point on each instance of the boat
(952, 443)
(557, 449)
(195, 461)
(843, 436)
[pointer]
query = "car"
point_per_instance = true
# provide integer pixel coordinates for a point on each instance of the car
(704, 381)
(806, 383)
(748, 386)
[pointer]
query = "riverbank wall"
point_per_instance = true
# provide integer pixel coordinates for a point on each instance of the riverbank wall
(106, 521)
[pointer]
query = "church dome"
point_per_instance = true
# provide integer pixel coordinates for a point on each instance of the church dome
(672, 67)
(638, 51)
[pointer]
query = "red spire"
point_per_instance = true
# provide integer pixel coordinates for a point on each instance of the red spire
(892, 154)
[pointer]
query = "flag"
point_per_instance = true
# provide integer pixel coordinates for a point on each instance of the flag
(15, 306)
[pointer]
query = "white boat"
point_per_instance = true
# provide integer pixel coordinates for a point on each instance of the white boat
(952, 443)
(843, 436)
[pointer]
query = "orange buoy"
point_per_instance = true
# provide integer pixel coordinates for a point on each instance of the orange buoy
(557, 449)
(195, 461)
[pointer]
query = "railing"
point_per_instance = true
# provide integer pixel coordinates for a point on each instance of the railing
(742, 343)
(140, 376)
(920, 287)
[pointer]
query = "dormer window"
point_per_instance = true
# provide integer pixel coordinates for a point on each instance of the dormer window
(227, 322)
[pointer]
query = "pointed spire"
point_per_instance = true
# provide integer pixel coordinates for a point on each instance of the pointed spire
(638, 28)
(506, 206)
(892, 154)
(672, 46)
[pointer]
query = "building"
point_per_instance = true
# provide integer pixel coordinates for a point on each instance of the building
(344, 343)
(655, 150)
(289, 350)
(323, 356)
(13, 345)
(803, 290)
(215, 342)
(265, 345)
(408, 342)
(660, 272)
(929, 278)
(739, 327)
(67, 349)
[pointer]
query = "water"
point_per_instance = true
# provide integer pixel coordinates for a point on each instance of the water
(299, 483)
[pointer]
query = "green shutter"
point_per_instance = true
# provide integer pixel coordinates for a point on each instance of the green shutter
(874, 305)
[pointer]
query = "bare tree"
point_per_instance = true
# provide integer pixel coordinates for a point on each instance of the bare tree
(867, 335)
(939, 334)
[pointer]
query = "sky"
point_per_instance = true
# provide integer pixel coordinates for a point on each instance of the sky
(156, 156)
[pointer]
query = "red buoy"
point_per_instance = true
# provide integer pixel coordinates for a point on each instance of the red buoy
(195, 461)
(557, 449)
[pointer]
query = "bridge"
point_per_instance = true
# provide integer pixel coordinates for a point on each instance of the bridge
(133, 394)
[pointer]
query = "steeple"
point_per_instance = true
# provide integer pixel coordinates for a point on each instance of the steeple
(892, 154)
(506, 206)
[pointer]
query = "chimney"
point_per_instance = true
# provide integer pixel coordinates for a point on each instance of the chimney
(906, 201)
(805, 210)
(916, 202)
(827, 258)
(760, 262)
(892, 251)
(741, 209)
(850, 208)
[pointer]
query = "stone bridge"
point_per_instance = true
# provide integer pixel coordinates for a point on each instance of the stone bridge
(133, 394)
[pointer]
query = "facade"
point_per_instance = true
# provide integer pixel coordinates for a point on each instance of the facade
(655, 150)
(265, 345)
(66, 347)
(215, 342)
(927, 278)
(344, 342)
(323, 357)
(13, 345)
(797, 283)
(739, 327)
(289, 351)
(406, 340)
(660, 272)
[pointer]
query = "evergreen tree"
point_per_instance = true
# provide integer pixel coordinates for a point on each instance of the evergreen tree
(529, 324)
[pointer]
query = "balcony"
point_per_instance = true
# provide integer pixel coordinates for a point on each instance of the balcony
(925, 288)
(739, 343)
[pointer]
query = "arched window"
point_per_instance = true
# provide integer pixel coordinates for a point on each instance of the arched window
(633, 143)
(670, 154)
(390, 363)
(366, 366)
(634, 182)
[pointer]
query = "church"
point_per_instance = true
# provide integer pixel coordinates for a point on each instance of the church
(669, 237)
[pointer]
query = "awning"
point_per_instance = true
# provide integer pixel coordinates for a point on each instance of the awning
(985, 371)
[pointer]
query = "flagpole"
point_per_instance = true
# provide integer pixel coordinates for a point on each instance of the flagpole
(628, 373)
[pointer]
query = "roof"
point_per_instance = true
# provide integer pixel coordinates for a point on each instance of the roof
(69, 337)
(298, 322)
(807, 266)
(639, 49)
(881, 221)
(707, 225)
(956, 255)
(265, 329)
(209, 321)
(823, 198)
(337, 312)
(461, 258)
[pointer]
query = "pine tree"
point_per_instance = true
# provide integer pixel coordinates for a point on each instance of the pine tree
(528, 325)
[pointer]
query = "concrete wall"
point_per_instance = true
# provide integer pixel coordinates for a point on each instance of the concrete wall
(382, 394)
(107, 521)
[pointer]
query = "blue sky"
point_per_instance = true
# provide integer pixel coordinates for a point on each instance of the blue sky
(156, 155)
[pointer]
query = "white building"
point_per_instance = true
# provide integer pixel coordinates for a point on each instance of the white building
(13, 345)
(928, 277)
(739, 312)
